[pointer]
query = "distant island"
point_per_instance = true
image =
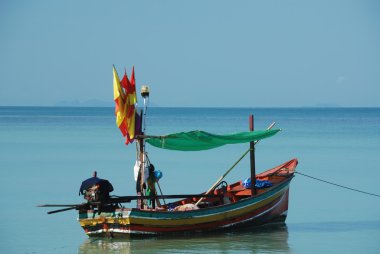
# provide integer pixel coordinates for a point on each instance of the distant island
(87, 103)
(90, 103)
(102, 103)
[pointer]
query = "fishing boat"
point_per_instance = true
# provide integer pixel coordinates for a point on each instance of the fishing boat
(260, 199)
(232, 206)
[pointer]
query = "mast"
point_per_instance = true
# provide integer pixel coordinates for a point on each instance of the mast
(142, 164)
(145, 95)
(252, 158)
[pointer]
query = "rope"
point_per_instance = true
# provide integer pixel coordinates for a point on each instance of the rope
(341, 186)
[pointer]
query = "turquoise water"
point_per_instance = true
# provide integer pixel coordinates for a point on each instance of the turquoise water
(45, 153)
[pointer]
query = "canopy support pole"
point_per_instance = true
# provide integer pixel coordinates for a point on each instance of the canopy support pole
(252, 158)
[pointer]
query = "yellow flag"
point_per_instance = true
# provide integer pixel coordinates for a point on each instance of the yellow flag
(119, 98)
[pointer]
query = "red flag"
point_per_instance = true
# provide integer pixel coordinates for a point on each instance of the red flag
(125, 81)
(133, 81)
(130, 105)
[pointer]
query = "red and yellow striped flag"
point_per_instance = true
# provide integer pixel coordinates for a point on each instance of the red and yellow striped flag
(125, 100)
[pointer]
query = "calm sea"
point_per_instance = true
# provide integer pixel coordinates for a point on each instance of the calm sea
(45, 153)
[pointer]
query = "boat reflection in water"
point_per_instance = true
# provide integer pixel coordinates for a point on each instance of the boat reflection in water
(271, 238)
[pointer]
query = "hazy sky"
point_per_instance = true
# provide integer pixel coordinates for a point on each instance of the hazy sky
(192, 53)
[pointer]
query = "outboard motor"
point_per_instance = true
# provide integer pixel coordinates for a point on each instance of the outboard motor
(95, 189)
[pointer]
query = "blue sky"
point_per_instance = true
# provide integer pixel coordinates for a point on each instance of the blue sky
(192, 53)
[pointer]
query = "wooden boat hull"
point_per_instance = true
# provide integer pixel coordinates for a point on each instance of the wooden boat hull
(267, 206)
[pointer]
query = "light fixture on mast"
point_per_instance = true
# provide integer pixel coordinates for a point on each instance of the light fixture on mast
(145, 91)
(145, 95)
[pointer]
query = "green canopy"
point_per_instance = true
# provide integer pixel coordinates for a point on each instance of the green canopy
(200, 140)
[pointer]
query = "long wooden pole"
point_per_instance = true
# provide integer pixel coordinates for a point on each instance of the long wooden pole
(124, 199)
(62, 210)
(223, 176)
(229, 170)
(159, 187)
